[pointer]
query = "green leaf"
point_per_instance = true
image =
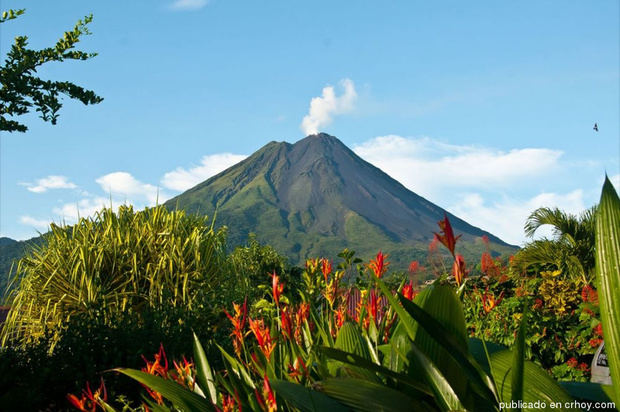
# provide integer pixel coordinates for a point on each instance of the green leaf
(362, 395)
(306, 399)
(443, 391)
(476, 348)
(589, 391)
(537, 384)
(518, 361)
(418, 387)
(204, 375)
(410, 313)
(608, 276)
(180, 397)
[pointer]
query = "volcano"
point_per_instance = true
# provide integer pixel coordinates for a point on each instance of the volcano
(317, 197)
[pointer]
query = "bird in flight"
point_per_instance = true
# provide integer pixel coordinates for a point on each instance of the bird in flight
(595, 128)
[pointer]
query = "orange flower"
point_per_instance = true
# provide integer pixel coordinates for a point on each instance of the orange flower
(447, 235)
(379, 265)
(414, 266)
(238, 322)
(303, 310)
(340, 316)
(159, 367)
(408, 291)
(298, 369)
(326, 268)
(184, 373)
(263, 337)
(88, 401)
(488, 300)
(230, 403)
(458, 269)
(276, 287)
(372, 306)
(267, 399)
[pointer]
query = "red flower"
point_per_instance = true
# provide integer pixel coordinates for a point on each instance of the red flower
(595, 342)
(538, 303)
(297, 369)
(372, 305)
(379, 265)
(238, 322)
(230, 403)
(414, 266)
(408, 291)
(267, 399)
(263, 336)
(598, 330)
(276, 287)
(340, 316)
(485, 240)
(159, 367)
(286, 323)
(572, 362)
(583, 367)
(326, 268)
(447, 235)
(488, 300)
(589, 294)
(458, 269)
(88, 401)
(184, 373)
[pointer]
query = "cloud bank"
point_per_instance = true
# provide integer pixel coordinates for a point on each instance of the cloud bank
(186, 5)
(325, 107)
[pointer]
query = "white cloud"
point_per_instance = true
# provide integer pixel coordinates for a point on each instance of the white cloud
(188, 4)
(125, 185)
(182, 179)
(70, 212)
(49, 182)
(506, 218)
(323, 108)
(428, 167)
(615, 180)
(39, 224)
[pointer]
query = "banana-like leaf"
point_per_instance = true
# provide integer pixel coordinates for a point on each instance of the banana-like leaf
(518, 362)
(306, 399)
(443, 391)
(418, 388)
(537, 384)
(410, 313)
(608, 276)
(362, 395)
(350, 340)
(476, 348)
(181, 397)
(204, 375)
(589, 391)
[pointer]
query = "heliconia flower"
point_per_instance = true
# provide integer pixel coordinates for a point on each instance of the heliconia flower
(312, 265)
(159, 366)
(88, 401)
(340, 316)
(184, 373)
(372, 305)
(414, 266)
(447, 235)
(286, 323)
(379, 265)
(486, 263)
(326, 268)
(298, 369)
(238, 322)
(408, 291)
(488, 300)
(276, 287)
(458, 269)
(303, 310)
(331, 291)
(263, 337)
(230, 403)
(267, 399)
(432, 247)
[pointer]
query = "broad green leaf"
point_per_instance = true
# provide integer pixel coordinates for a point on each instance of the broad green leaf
(608, 276)
(362, 395)
(306, 399)
(350, 340)
(476, 348)
(589, 391)
(537, 384)
(408, 311)
(443, 391)
(204, 375)
(181, 397)
(518, 360)
(420, 388)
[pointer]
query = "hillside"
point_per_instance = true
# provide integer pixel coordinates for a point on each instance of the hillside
(316, 197)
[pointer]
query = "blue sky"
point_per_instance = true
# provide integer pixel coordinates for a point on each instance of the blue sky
(484, 108)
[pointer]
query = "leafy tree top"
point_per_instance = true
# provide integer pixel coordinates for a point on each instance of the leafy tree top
(22, 90)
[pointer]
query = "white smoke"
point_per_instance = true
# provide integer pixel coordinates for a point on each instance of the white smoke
(323, 108)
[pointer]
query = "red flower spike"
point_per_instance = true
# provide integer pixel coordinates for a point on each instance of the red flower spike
(488, 300)
(447, 235)
(263, 337)
(408, 291)
(276, 287)
(238, 322)
(267, 399)
(458, 269)
(414, 266)
(379, 265)
(326, 268)
(285, 323)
